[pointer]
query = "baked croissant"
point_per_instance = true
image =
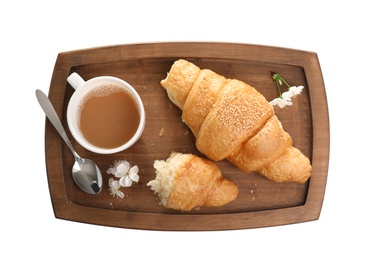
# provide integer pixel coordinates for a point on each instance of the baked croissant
(232, 120)
(186, 181)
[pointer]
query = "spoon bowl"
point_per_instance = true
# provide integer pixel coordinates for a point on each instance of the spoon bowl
(87, 175)
(85, 172)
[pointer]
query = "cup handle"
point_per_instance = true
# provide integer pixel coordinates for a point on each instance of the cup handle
(75, 80)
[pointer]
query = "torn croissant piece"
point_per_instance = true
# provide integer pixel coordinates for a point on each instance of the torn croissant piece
(186, 181)
(232, 120)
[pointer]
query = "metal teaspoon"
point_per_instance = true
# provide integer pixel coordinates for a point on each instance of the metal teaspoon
(85, 172)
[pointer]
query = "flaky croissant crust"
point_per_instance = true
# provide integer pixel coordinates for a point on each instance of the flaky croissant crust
(231, 119)
(186, 181)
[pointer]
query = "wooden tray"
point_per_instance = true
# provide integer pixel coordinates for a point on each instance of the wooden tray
(260, 202)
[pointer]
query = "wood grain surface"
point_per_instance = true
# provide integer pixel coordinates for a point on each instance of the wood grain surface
(260, 202)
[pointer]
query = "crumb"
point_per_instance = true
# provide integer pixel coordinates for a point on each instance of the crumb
(253, 192)
(161, 133)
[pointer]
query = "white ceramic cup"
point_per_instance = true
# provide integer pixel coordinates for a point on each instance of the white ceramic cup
(82, 88)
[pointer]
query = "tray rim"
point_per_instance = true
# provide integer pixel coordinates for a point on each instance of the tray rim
(65, 209)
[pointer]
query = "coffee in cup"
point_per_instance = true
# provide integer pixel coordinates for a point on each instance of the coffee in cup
(105, 114)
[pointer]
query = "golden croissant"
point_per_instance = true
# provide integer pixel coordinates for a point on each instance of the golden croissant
(186, 181)
(232, 120)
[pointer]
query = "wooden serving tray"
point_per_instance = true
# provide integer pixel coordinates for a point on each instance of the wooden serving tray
(260, 202)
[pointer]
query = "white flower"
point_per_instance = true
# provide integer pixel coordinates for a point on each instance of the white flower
(121, 169)
(130, 177)
(283, 101)
(294, 91)
(114, 187)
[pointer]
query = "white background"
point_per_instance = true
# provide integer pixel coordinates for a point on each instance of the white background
(34, 32)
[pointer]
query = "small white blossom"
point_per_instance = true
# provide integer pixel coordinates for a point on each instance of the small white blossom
(130, 177)
(126, 174)
(122, 169)
(119, 168)
(283, 101)
(114, 187)
(294, 91)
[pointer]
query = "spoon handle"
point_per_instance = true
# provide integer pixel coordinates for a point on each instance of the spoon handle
(53, 117)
